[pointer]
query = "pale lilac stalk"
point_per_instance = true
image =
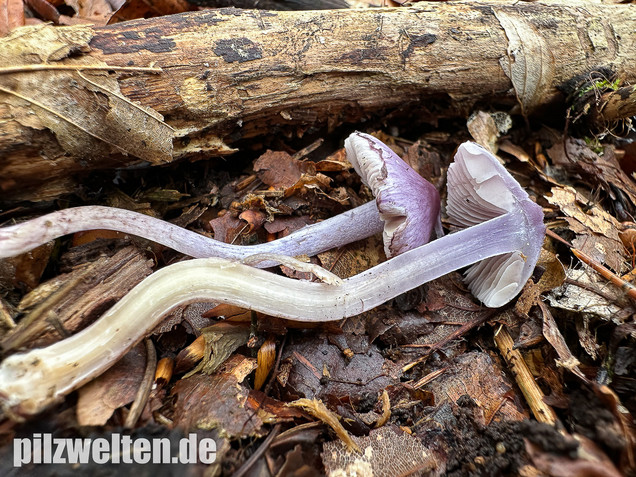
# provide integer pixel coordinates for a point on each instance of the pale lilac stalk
(348, 227)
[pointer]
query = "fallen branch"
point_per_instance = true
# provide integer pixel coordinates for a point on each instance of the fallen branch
(234, 74)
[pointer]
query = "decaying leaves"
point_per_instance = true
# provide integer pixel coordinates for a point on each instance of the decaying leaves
(221, 340)
(477, 375)
(112, 390)
(384, 453)
(604, 171)
(218, 401)
(587, 292)
(76, 97)
(530, 64)
(597, 231)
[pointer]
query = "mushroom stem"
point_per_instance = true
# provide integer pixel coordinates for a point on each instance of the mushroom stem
(35, 379)
(350, 226)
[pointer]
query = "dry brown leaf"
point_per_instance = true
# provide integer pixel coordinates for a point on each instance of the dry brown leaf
(84, 109)
(597, 231)
(335, 162)
(278, 169)
(44, 10)
(285, 225)
(112, 390)
(227, 228)
(590, 461)
(484, 131)
(133, 9)
(96, 12)
(595, 296)
(477, 375)
(555, 338)
(218, 401)
(385, 453)
(530, 63)
(254, 218)
(553, 277)
(11, 15)
(598, 170)
(354, 258)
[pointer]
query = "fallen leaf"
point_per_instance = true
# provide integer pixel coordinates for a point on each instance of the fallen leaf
(603, 171)
(278, 169)
(384, 453)
(217, 401)
(133, 9)
(483, 129)
(11, 15)
(477, 375)
(83, 107)
(530, 64)
(578, 295)
(597, 231)
(113, 389)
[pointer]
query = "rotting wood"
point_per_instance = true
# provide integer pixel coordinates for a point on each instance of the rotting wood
(78, 298)
(233, 74)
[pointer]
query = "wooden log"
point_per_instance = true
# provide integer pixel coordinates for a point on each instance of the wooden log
(231, 74)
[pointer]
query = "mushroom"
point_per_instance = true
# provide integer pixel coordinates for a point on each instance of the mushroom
(408, 209)
(502, 241)
(408, 205)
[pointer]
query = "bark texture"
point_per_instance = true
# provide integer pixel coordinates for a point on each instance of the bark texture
(232, 74)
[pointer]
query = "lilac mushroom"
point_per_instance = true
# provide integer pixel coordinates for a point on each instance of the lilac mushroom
(502, 240)
(408, 205)
(406, 217)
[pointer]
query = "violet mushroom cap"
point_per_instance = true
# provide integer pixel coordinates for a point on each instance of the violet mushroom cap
(408, 204)
(480, 189)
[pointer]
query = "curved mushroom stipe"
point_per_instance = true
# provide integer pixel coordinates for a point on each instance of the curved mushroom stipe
(351, 226)
(31, 381)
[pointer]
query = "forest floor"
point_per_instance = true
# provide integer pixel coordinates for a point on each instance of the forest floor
(429, 383)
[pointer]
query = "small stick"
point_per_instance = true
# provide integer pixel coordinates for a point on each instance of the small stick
(144, 388)
(247, 465)
(531, 391)
(627, 287)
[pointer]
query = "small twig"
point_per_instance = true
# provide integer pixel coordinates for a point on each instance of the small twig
(531, 391)
(627, 287)
(145, 387)
(308, 149)
(247, 465)
(428, 378)
(454, 335)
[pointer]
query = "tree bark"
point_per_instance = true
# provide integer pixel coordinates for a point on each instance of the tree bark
(231, 74)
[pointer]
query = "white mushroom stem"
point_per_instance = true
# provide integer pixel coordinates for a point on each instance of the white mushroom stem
(31, 381)
(348, 227)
